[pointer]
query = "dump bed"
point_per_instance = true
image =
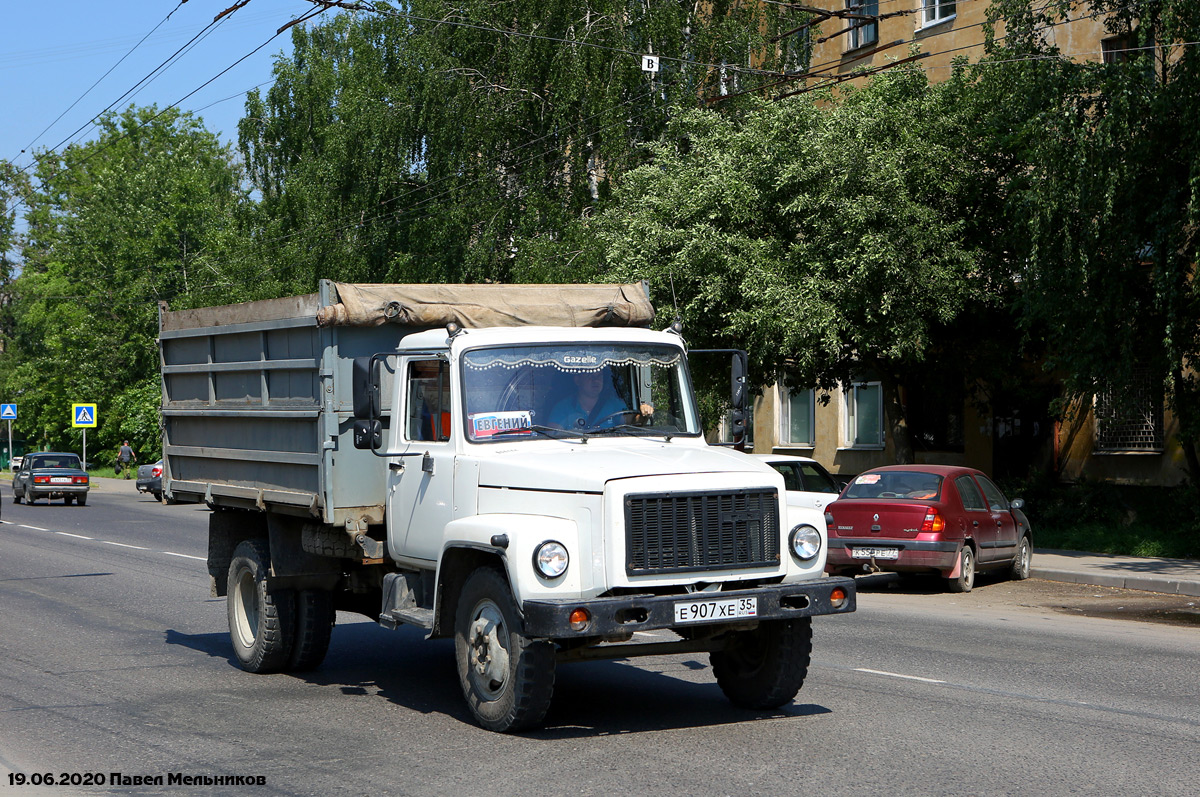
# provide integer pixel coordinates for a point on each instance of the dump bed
(257, 406)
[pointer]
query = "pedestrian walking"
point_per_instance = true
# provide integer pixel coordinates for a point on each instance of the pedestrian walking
(125, 458)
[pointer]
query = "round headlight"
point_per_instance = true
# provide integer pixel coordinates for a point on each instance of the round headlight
(551, 559)
(805, 542)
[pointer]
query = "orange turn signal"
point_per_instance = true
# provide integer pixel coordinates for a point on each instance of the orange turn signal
(837, 597)
(580, 619)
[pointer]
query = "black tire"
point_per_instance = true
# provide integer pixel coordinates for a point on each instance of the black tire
(68, 500)
(29, 496)
(965, 580)
(1019, 571)
(328, 541)
(507, 679)
(16, 496)
(764, 668)
(315, 616)
(81, 500)
(261, 621)
(157, 495)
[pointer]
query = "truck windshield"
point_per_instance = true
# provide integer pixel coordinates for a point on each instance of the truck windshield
(567, 390)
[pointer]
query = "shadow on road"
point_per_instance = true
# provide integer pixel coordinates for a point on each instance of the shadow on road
(601, 698)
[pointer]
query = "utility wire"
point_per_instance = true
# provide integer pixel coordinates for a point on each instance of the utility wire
(97, 83)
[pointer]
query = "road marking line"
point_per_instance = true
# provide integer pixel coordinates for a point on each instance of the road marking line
(184, 556)
(35, 528)
(76, 536)
(123, 545)
(898, 675)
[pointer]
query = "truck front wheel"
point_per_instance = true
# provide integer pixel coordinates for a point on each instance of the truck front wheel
(766, 667)
(261, 621)
(506, 678)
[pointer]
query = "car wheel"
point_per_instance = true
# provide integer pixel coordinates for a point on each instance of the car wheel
(81, 500)
(68, 500)
(1021, 562)
(157, 495)
(16, 496)
(506, 678)
(965, 579)
(766, 667)
(261, 620)
(29, 496)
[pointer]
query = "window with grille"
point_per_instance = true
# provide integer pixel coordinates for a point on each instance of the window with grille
(1130, 418)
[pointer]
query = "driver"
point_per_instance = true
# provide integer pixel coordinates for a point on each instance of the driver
(591, 406)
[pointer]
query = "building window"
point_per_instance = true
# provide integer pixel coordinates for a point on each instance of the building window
(1131, 419)
(1119, 49)
(864, 415)
(796, 417)
(862, 31)
(938, 10)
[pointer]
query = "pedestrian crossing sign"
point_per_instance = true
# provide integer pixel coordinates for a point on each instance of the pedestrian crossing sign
(83, 415)
(8, 412)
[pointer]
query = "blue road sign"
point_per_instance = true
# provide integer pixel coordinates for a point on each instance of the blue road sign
(83, 415)
(8, 412)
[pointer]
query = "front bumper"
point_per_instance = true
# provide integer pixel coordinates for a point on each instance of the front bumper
(915, 555)
(549, 619)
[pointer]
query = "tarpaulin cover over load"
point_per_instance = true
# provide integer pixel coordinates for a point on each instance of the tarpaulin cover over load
(474, 306)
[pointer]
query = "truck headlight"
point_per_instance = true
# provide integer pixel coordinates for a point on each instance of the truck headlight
(805, 542)
(551, 559)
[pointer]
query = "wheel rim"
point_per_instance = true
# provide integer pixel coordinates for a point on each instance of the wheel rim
(246, 609)
(487, 650)
(968, 568)
(1023, 567)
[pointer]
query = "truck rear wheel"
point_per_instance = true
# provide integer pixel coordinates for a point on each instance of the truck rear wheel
(314, 624)
(766, 667)
(506, 678)
(261, 621)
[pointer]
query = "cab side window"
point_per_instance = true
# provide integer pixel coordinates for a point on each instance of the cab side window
(427, 414)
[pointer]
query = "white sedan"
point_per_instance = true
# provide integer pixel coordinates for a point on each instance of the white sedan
(807, 483)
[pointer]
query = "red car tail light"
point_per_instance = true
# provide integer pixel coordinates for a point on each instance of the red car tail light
(157, 471)
(41, 479)
(79, 479)
(933, 521)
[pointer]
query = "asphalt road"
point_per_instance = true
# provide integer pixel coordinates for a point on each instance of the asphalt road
(114, 659)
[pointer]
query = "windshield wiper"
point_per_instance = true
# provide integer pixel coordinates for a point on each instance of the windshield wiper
(545, 431)
(638, 431)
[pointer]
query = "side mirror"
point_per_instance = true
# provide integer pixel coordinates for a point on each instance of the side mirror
(1017, 503)
(365, 390)
(368, 434)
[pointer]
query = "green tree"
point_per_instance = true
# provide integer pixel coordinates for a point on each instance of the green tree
(458, 141)
(114, 226)
(1104, 213)
(830, 239)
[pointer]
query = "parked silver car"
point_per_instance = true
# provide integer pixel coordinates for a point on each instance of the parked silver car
(51, 475)
(149, 479)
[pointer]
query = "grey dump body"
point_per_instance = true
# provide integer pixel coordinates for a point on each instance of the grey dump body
(257, 402)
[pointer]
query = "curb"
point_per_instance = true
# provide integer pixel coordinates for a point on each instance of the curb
(1167, 586)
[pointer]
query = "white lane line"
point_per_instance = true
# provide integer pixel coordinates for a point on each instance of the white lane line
(898, 675)
(123, 545)
(76, 536)
(184, 556)
(35, 528)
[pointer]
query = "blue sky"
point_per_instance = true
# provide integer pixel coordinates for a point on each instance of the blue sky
(53, 51)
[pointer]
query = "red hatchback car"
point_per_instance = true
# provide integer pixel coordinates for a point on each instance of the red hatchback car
(927, 518)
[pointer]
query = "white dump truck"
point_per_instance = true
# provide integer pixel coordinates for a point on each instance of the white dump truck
(519, 467)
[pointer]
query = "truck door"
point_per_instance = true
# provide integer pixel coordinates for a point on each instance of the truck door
(421, 486)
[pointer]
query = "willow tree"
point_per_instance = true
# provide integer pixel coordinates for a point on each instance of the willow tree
(450, 141)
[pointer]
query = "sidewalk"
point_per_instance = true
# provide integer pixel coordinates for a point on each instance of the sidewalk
(1172, 576)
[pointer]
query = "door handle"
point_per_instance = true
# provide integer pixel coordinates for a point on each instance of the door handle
(975, 523)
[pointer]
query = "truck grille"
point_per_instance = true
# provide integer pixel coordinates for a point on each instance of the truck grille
(685, 532)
